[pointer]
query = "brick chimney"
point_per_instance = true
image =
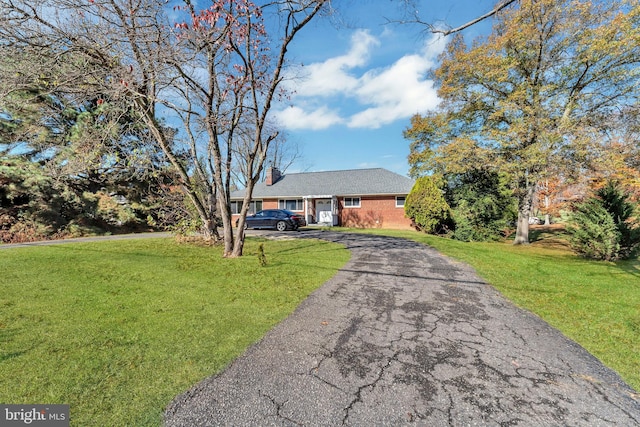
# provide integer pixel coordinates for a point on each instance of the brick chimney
(273, 175)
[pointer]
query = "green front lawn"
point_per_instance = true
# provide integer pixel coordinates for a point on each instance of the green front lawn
(595, 303)
(117, 329)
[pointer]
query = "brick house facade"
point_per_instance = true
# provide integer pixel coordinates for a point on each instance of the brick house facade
(362, 198)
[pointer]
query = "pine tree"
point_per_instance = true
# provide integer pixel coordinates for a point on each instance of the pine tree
(602, 227)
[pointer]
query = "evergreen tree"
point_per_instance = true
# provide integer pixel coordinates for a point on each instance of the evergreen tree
(602, 227)
(93, 161)
(618, 205)
(482, 205)
(426, 206)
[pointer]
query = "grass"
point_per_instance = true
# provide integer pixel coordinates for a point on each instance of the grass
(117, 329)
(597, 304)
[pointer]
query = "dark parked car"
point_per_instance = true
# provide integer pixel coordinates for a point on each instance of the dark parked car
(280, 219)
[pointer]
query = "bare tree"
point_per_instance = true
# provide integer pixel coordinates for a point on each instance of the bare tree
(213, 73)
(236, 92)
(282, 153)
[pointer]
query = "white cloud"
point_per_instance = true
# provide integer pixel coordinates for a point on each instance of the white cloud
(332, 76)
(295, 117)
(434, 47)
(395, 93)
(382, 95)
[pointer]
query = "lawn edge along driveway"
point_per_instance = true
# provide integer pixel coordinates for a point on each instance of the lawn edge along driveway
(403, 334)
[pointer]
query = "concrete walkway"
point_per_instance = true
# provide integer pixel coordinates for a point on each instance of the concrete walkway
(403, 335)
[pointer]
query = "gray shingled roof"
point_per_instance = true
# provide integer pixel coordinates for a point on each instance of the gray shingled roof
(355, 182)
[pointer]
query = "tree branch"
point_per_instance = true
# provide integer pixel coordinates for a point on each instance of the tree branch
(435, 30)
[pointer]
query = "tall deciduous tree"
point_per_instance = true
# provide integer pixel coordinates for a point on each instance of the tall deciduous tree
(536, 93)
(215, 70)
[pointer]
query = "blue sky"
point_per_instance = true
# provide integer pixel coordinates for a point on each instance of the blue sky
(355, 85)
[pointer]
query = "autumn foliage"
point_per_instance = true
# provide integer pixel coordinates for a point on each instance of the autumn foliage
(536, 98)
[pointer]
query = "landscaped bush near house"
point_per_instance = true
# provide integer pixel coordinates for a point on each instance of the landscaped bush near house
(602, 227)
(426, 206)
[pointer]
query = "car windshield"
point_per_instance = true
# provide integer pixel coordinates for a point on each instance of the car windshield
(288, 212)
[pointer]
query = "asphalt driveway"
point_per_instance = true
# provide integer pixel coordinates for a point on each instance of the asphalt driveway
(403, 335)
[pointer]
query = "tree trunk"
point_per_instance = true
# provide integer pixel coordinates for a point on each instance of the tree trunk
(522, 232)
(208, 215)
(547, 217)
(524, 213)
(210, 229)
(227, 228)
(238, 244)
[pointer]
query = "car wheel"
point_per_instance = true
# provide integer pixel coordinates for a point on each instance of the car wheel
(281, 226)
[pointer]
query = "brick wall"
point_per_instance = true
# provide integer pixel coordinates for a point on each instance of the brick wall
(269, 204)
(374, 212)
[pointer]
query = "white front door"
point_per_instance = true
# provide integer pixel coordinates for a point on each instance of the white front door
(323, 211)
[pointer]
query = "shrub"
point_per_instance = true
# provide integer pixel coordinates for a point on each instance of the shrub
(426, 206)
(464, 227)
(593, 233)
(619, 206)
(602, 227)
(482, 205)
(24, 230)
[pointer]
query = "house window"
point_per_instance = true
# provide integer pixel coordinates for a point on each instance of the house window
(400, 201)
(236, 206)
(352, 202)
(291, 205)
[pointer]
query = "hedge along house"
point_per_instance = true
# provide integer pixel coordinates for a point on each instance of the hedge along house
(364, 198)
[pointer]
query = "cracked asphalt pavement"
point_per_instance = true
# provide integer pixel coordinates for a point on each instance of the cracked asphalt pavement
(403, 335)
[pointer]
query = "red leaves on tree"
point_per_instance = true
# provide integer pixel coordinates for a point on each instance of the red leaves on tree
(232, 29)
(237, 20)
